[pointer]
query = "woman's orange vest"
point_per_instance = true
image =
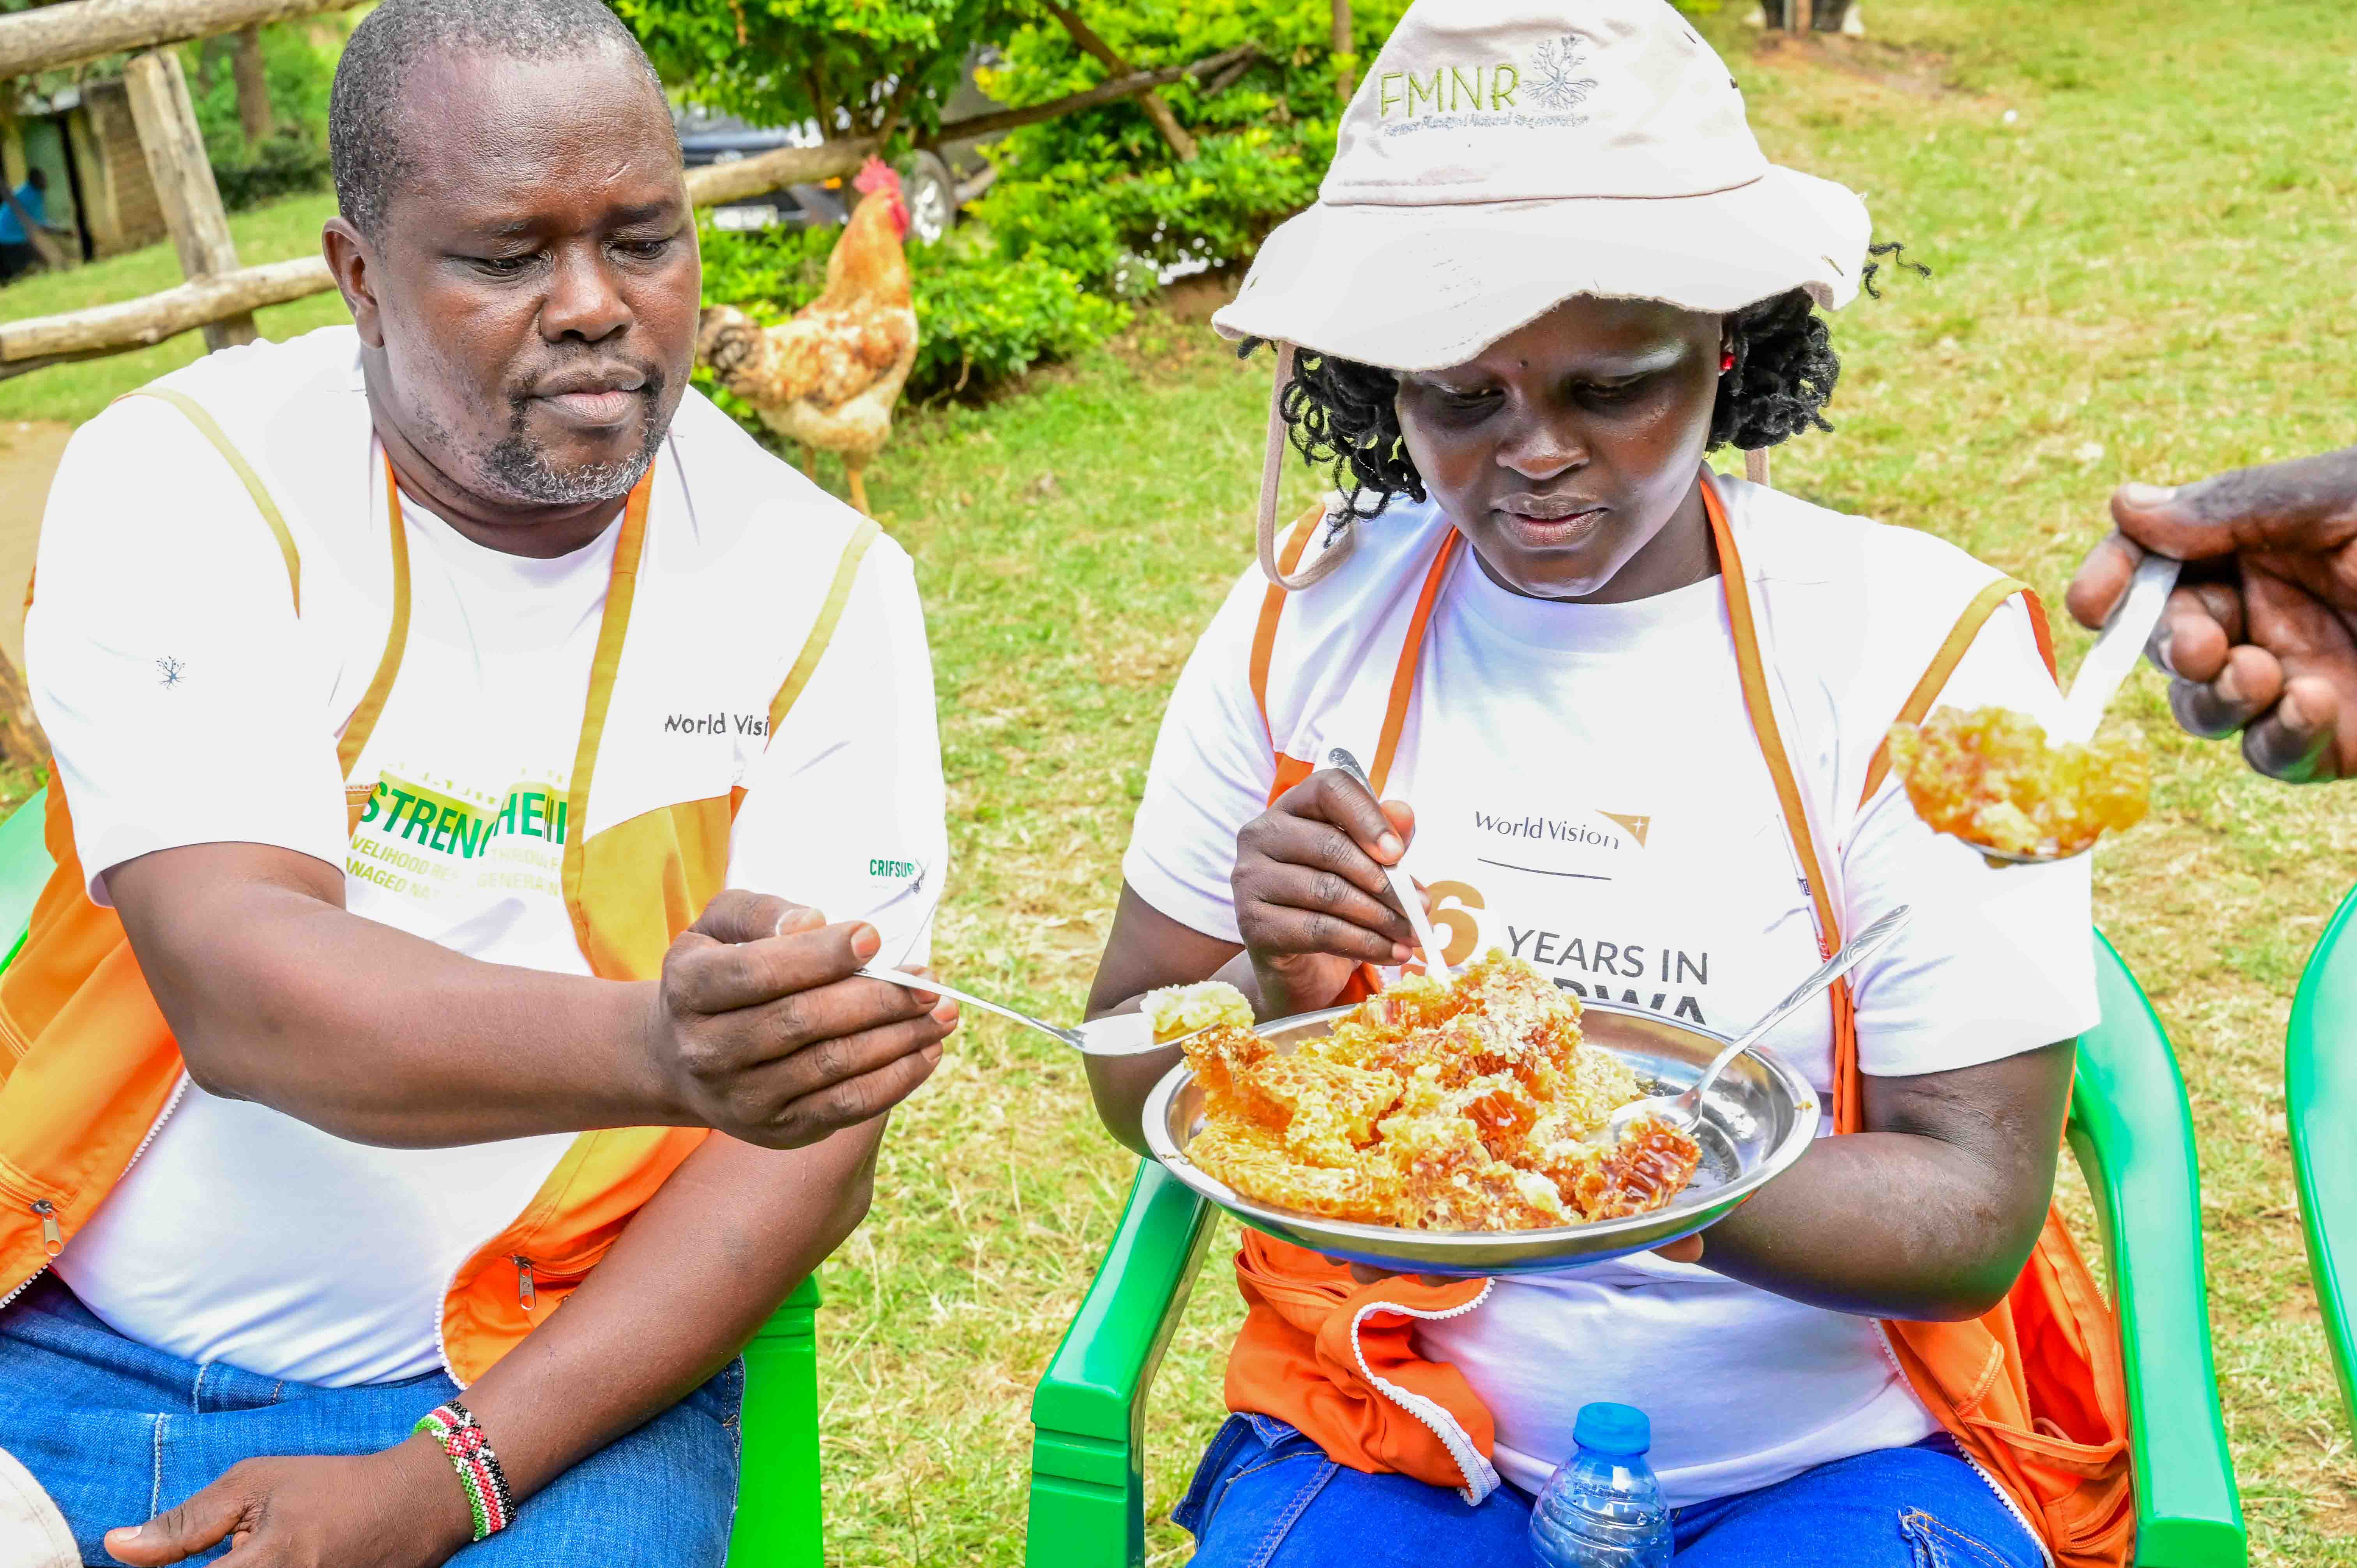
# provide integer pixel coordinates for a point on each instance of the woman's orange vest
(2032, 1391)
(89, 1067)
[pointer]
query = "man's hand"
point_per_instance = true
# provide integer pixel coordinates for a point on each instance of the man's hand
(1311, 899)
(399, 1509)
(2261, 635)
(765, 1033)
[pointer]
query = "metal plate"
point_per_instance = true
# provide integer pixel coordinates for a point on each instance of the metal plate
(1756, 1121)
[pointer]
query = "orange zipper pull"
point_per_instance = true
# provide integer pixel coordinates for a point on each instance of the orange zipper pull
(524, 1292)
(53, 1240)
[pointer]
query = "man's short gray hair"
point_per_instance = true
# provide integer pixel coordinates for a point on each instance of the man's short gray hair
(364, 111)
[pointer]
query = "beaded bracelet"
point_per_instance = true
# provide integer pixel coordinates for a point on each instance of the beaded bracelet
(454, 1426)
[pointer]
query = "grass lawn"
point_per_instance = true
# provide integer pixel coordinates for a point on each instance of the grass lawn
(2139, 212)
(276, 232)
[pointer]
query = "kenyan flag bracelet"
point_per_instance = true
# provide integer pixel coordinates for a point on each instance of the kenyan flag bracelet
(454, 1426)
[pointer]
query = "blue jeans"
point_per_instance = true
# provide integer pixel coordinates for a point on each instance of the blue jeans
(1266, 1497)
(116, 1432)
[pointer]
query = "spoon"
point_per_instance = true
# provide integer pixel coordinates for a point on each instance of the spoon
(1682, 1111)
(1115, 1034)
(1402, 889)
(2101, 674)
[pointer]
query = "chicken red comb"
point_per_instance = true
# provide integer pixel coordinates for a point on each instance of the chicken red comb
(876, 175)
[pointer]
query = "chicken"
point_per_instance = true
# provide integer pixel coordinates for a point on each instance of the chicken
(828, 377)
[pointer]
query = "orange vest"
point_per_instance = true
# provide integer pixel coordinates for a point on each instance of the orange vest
(2032, 1391)
(89, 1067)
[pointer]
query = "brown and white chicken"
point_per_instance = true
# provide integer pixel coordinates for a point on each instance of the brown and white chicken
(828, 378)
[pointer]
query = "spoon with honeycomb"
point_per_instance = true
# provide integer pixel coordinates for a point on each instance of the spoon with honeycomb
(1994, 779)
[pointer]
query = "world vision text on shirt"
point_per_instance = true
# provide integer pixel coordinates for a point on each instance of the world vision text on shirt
(756, 725)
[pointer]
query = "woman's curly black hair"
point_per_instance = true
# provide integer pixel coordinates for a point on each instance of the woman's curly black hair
(1339, 411)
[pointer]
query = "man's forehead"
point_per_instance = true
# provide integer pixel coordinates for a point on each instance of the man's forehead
(481, 128)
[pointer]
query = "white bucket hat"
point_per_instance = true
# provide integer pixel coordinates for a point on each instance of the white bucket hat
(1501, 157)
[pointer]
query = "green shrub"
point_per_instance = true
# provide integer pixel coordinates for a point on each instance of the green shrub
(1120, 234)
(782, 62)
(982, 319)
(1100, 193)
(289, 164)
(299, 73)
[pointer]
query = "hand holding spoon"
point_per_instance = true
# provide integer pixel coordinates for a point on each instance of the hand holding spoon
(1403, 886)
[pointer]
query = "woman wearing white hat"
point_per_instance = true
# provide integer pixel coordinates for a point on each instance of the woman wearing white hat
(1631, 717)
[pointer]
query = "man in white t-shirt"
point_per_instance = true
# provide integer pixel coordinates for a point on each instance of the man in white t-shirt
(460, 728)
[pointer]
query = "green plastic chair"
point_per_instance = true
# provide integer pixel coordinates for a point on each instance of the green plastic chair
(2134, 1137)
(778, 1522)
(2320, 1098)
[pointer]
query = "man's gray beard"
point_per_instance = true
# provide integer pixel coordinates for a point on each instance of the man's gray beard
(519, 466)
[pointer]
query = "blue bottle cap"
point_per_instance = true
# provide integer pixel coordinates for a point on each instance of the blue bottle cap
(1615, 1429)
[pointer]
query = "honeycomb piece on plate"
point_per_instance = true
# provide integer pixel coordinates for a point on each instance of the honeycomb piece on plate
(1330, 1109)
(1218, 1056)
(1471, 1105)
(1255, 1162)
(1452, 1183)
(1649, 1166)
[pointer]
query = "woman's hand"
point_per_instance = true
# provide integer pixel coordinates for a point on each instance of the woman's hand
(399, 1509)
(1311, 900)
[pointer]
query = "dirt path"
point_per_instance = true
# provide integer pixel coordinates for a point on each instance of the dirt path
(28, 456)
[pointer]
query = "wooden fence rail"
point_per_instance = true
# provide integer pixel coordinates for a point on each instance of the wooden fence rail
(41, 340)
(79, 30)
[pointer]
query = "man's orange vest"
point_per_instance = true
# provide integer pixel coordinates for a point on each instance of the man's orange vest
(89, 1067)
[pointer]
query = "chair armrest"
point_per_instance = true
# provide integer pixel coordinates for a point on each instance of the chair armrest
(1088, 1484)
(779, 1521)
(25, 867)
(2320, 1096)
(2134, 1137)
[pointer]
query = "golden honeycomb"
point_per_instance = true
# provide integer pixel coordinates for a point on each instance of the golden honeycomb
(1472, 1105)
(1990, 777)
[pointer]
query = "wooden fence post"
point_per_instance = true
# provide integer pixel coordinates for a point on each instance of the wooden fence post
(252, 87)
(1346, 53)
(174, 150)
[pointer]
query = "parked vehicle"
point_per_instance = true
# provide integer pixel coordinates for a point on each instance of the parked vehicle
(935, 184)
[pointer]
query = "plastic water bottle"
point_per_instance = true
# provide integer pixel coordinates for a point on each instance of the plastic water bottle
(1602, 1507)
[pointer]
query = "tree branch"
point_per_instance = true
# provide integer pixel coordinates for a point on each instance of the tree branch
(978, 126)
(1156, 110)
(51, 36)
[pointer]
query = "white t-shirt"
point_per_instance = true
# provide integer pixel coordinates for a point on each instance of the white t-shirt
(187, 705)
(1590, 795)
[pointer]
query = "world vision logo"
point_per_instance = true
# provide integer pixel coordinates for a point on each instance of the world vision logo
(1547, 77)
(1637, 826)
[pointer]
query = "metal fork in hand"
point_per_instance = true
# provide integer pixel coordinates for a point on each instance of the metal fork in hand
(1115, 1035)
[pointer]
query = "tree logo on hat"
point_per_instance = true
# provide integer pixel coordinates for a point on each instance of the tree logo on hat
(1550, 81)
